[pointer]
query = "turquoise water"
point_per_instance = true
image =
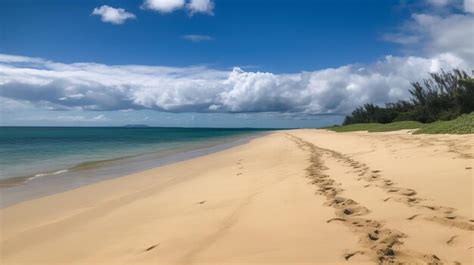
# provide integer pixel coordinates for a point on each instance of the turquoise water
(35, 152)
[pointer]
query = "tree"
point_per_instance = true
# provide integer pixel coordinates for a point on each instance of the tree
(444, 96)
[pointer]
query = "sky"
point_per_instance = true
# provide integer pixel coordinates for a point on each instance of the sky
(220, 63)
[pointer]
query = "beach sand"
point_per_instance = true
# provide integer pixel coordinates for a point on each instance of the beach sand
(290, 197)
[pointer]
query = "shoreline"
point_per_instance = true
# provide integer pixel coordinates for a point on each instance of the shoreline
(290, 197)
(19, 189)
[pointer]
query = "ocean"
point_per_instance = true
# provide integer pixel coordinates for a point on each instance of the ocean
(69, 154)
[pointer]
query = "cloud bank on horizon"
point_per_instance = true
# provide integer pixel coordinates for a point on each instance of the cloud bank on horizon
(442, 41)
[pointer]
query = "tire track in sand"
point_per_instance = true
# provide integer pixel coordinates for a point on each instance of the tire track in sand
(380, 243)
(439, 214)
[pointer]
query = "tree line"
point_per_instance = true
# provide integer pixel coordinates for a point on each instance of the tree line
(443, 96)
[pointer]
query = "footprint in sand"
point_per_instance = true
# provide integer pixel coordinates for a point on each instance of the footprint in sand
(336, 219)
(451, 239)
(152, 247)
(452, 222)
(239, 163)
(379, 241)
(354, 211)
(405, 192)
(439, 208)
(450, 217)
(347, 256)
(413, 217)
(414, 200)
(373, 235)
(341, 202)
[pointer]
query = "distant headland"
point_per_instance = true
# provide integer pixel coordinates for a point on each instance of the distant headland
(136, 125)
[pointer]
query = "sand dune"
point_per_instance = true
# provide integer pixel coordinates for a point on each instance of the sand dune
(292, 197)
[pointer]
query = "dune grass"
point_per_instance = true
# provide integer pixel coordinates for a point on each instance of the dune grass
(377, 127)
(462, 125)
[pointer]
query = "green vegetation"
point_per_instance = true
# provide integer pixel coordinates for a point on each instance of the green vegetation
(462, 125)
(440, 104)
(377, 127)
(445, 96)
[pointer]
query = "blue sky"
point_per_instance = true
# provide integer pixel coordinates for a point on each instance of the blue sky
(232, 63)
(277, 36)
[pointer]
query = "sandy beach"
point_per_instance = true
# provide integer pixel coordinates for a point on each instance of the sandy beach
(290, 197)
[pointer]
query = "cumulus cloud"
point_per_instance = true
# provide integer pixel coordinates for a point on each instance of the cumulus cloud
(91, 86)
(112, 15)
(436, 34)
(200, 6)
(447, 34)
(445, 41)
(163, 6)
(197, 38)
(168, 6)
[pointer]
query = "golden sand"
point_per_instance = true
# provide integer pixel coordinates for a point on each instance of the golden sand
(291, 197)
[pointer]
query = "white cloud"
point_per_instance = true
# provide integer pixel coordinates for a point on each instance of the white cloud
(197, 38)
(445, 41)
(63, 118)
(451, 33)
(163, 6)
(200, 6)
(91, 86)
(465, 5)
(19, 59)
(168, 6)
(469, 6)
(112, 15)
(437, 34)
(100, 117)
